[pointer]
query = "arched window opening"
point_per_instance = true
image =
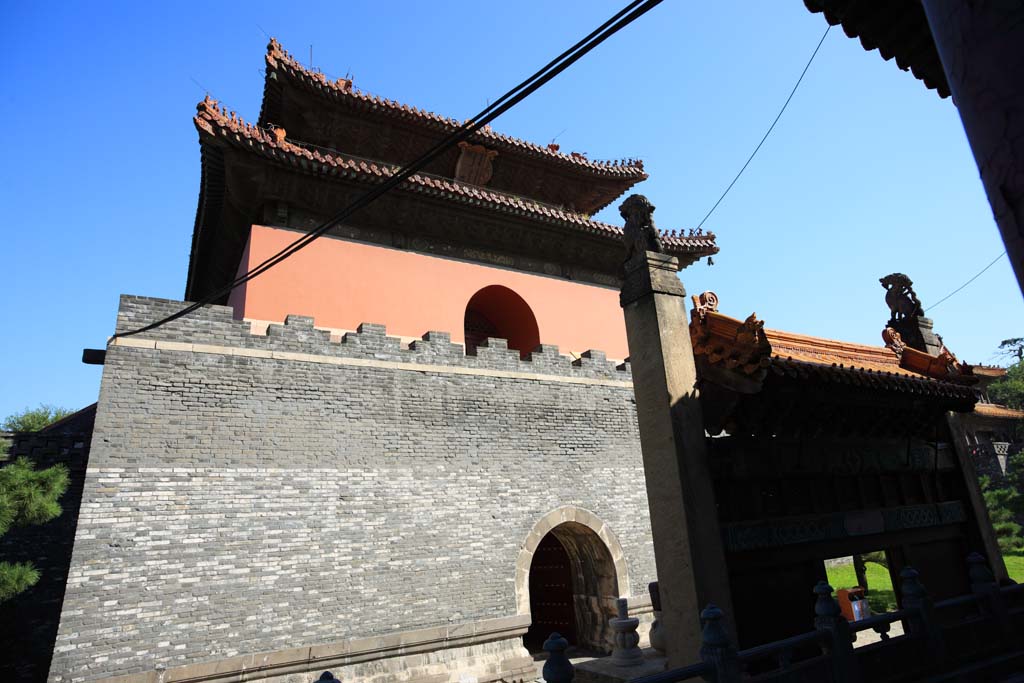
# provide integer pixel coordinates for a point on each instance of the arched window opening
(497, 311)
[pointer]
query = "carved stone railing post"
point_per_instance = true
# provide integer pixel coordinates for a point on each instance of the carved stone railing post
(558, 668)
(837, 640)
(983, 584)
(716, 650)
(688, 550)
(657, 634)
(921, 625)
(625, 651)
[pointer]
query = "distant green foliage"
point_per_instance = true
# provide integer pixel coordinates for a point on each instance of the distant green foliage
(881, 596)
(1006, 504)
(1012, 347)
(1009, 389)
(34, 419)
(27, 496)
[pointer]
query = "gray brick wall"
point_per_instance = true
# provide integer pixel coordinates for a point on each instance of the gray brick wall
(237, 503)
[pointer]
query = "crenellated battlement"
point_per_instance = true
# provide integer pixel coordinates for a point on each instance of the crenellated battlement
(213, 329)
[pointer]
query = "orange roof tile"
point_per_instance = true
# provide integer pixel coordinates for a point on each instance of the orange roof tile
(746, 347)
(996, 410)
(801, 347)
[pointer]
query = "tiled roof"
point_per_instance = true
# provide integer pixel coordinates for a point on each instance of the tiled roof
(746, 347)
(897, 29)
(996, 410)
(807, 349)
(342, 90)
(857, 364)
(988, 371)
(218, 123)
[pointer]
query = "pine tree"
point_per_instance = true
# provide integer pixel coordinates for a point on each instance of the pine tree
(27, 496)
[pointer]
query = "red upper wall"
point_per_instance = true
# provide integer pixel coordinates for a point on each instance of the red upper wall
(341, 284)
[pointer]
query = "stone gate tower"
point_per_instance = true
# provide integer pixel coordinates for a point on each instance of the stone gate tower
(396, 455)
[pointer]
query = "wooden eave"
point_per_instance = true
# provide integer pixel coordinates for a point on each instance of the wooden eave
(898, 30)
(998, 412)
(334, 115)
(246, 167)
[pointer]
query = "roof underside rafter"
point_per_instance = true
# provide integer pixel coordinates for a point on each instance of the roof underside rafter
(898, 29)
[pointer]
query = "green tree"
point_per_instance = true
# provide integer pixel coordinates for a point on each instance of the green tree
(1006, 504)
(1012, 347)
(34, 419)
(1009, 389)
(27, 496)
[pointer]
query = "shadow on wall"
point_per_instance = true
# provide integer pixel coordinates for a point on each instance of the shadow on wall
(499, 312)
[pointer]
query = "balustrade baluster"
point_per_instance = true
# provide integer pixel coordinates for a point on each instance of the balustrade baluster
(983, 584)
(716, 650)
(558, 668)
(922, 624)
(837, 640)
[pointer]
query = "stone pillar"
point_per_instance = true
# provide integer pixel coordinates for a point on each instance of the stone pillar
(983, 523)
(981, 45)
(687, 541)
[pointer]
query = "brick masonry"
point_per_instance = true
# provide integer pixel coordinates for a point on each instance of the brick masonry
(253, 493)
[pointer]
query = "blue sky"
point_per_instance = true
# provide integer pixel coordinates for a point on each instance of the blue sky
(867, 173)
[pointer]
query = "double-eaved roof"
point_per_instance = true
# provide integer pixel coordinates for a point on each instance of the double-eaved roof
(319, 145)
(336, 114)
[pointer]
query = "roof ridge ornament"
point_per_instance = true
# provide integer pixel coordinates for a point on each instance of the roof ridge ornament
(900, 297)
(705, 303)
(894, 341)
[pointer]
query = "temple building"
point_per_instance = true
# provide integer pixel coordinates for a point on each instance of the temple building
(411, 451)
(992, 431)
(825, 449)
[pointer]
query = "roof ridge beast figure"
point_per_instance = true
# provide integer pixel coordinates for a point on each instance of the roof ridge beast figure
(900, 296)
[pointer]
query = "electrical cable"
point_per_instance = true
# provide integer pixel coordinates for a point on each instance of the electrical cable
(770, 128)
(620, 20)
(979, 274)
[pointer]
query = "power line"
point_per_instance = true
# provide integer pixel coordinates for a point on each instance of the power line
(979, 274)
(770, 128)
(620, 20)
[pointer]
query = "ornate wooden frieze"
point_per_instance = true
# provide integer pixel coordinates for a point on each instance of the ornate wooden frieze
(733, 457)
(839, 525)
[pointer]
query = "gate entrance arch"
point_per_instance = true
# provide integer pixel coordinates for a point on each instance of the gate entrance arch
(570, 571)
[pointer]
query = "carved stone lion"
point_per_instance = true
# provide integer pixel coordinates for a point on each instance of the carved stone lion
(639, 233)
(900, 296)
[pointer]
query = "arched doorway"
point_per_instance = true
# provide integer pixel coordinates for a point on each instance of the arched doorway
(569, 574)
(497, 311)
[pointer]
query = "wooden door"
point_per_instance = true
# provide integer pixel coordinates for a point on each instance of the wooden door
(551, 597)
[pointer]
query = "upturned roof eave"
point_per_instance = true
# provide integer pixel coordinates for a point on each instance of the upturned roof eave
(216, 128)
(628, 172)
(805, 355)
